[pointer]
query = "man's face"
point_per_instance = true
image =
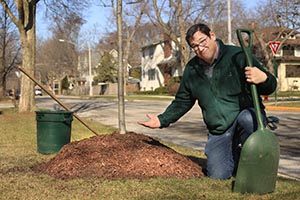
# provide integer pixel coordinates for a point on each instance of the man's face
(205, 47)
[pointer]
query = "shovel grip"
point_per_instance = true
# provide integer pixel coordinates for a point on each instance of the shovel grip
(246, 49)
(248, 54)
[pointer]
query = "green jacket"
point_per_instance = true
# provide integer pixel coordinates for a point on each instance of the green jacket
(220, 97)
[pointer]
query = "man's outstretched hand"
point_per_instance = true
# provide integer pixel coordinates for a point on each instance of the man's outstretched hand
(153, 122)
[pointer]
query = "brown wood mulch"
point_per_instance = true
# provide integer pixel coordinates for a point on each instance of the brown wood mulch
(119, 156)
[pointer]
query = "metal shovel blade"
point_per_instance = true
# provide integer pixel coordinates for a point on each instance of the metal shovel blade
(258, 165)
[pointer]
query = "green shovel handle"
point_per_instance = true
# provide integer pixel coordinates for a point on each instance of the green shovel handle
(247, 50)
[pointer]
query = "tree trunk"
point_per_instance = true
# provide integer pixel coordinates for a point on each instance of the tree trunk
(183, 45)
(28, 42)
(121, 104)
(27, 101)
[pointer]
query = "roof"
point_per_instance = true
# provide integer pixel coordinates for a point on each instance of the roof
(170, 60)
(271, 33)
(151, 44)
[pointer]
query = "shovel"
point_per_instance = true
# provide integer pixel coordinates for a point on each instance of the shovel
(258, 164)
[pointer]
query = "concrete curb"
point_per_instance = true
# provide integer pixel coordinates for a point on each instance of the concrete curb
(283, 108)
(287, 176)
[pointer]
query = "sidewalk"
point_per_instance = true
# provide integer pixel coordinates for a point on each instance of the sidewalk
(282, 108)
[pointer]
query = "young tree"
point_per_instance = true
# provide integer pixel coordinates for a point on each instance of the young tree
(126, 29)
(121, 102)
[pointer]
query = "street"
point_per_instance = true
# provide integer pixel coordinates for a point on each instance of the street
(189, 131)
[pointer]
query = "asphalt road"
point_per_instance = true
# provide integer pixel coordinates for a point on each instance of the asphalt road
(189, 131)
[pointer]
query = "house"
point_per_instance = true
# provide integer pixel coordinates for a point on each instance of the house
(160, 61)
(111, 88)
(287, 58)
(114, 54)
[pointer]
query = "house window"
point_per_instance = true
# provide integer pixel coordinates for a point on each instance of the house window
(293, 71)
(151, 74)
(288, 50)
(297, 51)
(151, 52)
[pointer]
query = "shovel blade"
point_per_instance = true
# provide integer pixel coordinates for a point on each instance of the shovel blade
(258, 165)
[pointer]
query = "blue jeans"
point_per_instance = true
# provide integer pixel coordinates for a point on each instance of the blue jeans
(223, 151)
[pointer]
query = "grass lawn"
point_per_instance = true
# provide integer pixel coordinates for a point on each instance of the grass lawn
(19, 153)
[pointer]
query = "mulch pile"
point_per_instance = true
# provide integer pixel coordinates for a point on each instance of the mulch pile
(119, 156)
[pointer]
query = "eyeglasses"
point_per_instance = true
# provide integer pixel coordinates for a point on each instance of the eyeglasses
(202, 43)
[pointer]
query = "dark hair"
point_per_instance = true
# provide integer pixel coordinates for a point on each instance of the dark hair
(203, 28)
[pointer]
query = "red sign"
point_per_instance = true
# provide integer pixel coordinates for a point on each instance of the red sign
(274, 45)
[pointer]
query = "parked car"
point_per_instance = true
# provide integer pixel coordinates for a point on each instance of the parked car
(12, 93)
(38, 92)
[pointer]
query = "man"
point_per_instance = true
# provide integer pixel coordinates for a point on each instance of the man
(219, 80)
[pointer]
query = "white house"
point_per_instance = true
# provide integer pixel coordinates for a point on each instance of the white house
(114, 53)
(159, 63)
(288, 58)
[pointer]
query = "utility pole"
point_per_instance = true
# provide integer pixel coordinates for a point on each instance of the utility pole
(90, 72)
(229, 21)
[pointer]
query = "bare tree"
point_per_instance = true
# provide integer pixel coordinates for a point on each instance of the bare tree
(175, 16)
(136, 14)
(25, 21)
(57, 56)
(128, 21)
(10, 48)
(145, 33)
(174, 27)
(275, 20)
(132, 16)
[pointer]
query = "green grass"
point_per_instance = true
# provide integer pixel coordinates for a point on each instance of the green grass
(18, 153)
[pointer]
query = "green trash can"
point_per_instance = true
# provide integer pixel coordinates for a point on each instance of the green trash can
(53, 130)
